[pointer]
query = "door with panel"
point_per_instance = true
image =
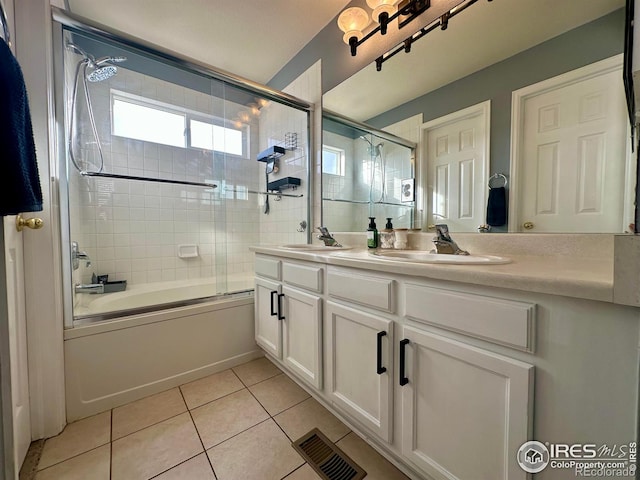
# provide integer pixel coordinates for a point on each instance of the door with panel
(457, 166)
(17, 339)
(465, 411)
(360, 367)
(572, 161)
(268, 316)
(302, 335)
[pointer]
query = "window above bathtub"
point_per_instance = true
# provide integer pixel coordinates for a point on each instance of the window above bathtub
(140, 118)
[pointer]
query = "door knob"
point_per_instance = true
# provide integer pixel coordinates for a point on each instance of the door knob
(34, 223)
(527, 225)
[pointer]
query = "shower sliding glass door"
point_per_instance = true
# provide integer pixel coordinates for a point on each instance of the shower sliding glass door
(165, 195)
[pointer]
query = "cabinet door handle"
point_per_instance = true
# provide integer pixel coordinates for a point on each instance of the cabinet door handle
(280, 316)
(273, 312)
(403, 379)
(379, 368)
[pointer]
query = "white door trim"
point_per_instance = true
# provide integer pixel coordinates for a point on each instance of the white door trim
(42, 267)
(518, 99)
(484, 109)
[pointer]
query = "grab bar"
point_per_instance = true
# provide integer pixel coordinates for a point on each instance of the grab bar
(146, 179)
(4, 32)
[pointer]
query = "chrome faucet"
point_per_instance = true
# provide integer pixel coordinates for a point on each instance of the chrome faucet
(444, 243)
(327, 238)
(89, 288)
(77, 255)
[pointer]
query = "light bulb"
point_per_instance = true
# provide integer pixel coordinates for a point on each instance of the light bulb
(382, 6)
(352, 22)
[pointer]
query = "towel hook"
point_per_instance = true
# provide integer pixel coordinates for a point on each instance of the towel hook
(497, 176)
(6, 35)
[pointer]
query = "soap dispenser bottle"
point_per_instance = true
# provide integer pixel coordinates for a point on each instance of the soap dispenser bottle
(387, 236)
(372, 233)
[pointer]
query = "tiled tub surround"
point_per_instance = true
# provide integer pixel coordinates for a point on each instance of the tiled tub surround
(131, 229)
(238, 423)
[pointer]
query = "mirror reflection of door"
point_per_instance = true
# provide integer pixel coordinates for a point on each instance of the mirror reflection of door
(456, 153)
(568, 156)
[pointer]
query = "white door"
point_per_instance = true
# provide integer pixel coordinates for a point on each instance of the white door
(302, 335)
(267, 316)
(17, 335)
(465, 411)
(571, 166)
(360, 363)
(457, 164)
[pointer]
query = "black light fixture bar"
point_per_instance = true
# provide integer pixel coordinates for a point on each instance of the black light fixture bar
(411, 9)
(405, 46)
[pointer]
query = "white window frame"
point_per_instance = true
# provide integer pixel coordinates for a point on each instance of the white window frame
(187, 114)
(340, 152)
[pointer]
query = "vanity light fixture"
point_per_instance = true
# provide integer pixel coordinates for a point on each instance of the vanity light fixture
(353, 20)
(442, 22)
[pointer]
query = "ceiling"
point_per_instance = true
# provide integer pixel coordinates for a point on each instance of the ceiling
(486, 33)
(251, 38)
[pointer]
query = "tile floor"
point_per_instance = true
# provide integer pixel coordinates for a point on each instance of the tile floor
(236, 424)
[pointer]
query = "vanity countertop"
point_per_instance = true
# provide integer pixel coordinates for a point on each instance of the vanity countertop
(579, 277)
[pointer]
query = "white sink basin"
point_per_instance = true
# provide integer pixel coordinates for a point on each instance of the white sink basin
(423, 256)
(305, 247)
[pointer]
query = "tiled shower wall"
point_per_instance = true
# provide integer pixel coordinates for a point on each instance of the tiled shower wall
(131, 229)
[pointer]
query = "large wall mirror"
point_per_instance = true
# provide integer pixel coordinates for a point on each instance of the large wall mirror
(567, 183)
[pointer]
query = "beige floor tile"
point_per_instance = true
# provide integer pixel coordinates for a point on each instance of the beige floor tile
(155, 449)
(260, 453)
(220, 420)
(376, 466)
(278, 394)
(146, 412)
(93, 465)
(197, 468)
(77, 437)
(305, 472)
(256, 371)
(307, 415)
(210, 388)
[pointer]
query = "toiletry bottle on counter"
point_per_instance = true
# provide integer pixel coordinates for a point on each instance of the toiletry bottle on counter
(401, 238)
(372, 233)
(387, 236)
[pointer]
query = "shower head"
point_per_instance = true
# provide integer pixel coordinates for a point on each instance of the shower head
(102, 73)
(103, 60)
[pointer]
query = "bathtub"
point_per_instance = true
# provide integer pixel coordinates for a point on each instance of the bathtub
(155, 296)
(145, 348)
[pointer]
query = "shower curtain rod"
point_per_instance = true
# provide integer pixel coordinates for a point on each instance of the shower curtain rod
(5, 34)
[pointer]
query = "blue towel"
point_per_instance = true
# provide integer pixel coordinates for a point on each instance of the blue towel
(497, 207)
(19, 180)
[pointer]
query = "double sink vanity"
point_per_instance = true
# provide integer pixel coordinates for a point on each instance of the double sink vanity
(447, 366)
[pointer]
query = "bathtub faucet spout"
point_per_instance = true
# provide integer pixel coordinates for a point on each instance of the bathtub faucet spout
(89, 288)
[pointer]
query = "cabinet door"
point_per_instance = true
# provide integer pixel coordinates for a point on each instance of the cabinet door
(465, 411)
(360, 364)
(302, 335)
(267, 314)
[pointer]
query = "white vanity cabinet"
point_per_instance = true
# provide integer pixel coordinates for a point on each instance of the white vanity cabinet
(360, 366)
(288, 315)
(465, 411)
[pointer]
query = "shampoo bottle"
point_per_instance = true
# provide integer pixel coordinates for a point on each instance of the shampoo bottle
(372, 233)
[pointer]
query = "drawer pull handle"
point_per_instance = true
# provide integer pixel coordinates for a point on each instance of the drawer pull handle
(273, 312)
(280, 316)
(379, 368)
(403, 379)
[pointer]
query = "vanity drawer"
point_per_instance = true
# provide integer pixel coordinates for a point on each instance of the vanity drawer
(497, 320)
(305, 276)
(267, 267)
(373, 292)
